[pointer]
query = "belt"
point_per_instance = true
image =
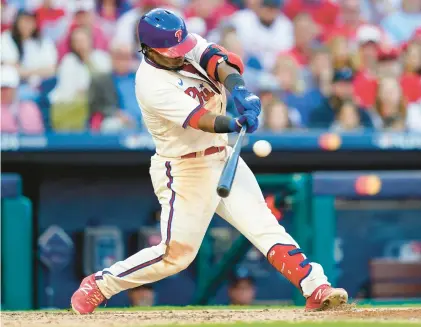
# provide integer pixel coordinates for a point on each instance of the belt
(208, 151)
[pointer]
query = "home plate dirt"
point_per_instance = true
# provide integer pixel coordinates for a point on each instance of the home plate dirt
(179, 317)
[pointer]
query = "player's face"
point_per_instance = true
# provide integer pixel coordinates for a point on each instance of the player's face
(161, 60)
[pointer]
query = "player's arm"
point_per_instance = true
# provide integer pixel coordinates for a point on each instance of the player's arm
(227, 67)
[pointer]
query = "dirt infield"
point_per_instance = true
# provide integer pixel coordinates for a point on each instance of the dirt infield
(166, 317)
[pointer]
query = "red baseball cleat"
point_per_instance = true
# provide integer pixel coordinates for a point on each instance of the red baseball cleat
(326, 297)
(87, 297)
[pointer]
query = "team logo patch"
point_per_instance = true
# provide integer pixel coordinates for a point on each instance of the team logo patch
(179, 35)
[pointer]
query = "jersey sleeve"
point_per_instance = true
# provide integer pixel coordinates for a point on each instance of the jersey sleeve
(200, 48)
(176, 106)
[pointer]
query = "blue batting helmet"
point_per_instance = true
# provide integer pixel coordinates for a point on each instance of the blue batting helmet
(165, 32)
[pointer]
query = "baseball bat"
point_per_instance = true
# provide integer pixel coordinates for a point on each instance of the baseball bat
(230, 168)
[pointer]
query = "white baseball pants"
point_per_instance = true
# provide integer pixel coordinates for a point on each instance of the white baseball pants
(186, 189)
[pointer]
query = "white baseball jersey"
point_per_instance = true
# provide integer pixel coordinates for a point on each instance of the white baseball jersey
(186, 187)
(170, 99)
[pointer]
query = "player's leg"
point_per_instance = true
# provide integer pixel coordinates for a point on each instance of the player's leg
(246, 210)
(186, 192)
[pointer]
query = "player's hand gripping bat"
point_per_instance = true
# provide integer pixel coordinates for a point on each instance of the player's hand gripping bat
(230, 168)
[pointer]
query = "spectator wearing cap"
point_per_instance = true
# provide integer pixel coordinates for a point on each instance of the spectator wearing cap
(112, 99)
(84, 17)
(17, 116)
(34, 56)
(342, 90)
(411, 78)
(264, 33)
(365, 82)
(390, 105)
(305, 34)
(241, 288)
(323, 12)
(402, 24)
(69, 98)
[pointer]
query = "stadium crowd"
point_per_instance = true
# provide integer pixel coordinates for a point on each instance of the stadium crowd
(343, 65)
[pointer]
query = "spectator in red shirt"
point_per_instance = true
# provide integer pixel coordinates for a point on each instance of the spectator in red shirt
(85, 17)
(348, 21)
(305, 33)
(323, 12)
(411, 78)
(365, 82)
(48, 13)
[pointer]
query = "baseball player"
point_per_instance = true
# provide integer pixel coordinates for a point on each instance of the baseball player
(181, 89)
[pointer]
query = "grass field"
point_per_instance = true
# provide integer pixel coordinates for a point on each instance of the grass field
(348, 316)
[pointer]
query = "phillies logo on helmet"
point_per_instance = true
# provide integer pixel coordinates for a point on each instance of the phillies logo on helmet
(179, 35)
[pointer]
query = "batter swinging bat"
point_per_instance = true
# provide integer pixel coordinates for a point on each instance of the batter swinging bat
(230, 168)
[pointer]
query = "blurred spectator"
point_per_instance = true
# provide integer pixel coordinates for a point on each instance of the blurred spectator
(390, 104)
(17, 115)
(85, 17)
(413, 117)
(341, 52)
(348, 21)
(278, 118)
(375, 10)
(142, 296)
(365, 82)
(323, 12)
(126, 25)
(411, 78)
(401, 25)
(305, 33)
(264, 33)
(48, 13)
(231, 42)
(268, 89)
(288, 74)
(8, 14)
(320, 71)
(210, 11)
(34, 56)
(241, 288)
(318, 83)
(388, 62)
(342, 91)
(112, 99)
(347, 118)
(69, 98)
(109, 11)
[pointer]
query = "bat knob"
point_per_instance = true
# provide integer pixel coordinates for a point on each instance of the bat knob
(223, 191)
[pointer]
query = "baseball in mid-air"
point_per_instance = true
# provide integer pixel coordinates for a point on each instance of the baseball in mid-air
(262, 148)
